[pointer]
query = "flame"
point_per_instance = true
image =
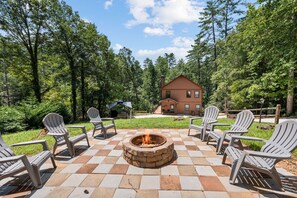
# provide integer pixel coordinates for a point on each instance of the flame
(146, 138)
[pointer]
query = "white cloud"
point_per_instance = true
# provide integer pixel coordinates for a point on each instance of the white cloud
(86, 20)
(180, 47)
(183, 42)
(107, 4)
(158, 31)
(163, 13)
(117, 47)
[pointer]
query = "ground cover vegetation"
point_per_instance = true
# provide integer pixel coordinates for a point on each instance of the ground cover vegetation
(51, 60)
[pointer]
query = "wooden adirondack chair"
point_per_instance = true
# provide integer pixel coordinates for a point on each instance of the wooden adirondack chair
(282, 142)
(211, 114)
(11, 164)
(55, 126)
(242, 123)
(97, 121)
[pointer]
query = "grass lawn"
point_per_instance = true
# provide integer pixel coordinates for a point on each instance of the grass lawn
(131, 124)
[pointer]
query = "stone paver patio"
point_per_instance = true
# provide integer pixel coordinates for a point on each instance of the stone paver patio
(101, 171)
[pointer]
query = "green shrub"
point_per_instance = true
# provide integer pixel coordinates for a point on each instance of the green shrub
(11, 120)
(35, 112)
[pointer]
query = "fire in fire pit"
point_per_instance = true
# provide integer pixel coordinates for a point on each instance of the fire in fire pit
(148, 150)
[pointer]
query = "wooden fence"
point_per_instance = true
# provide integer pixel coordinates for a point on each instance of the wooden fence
(260, 113)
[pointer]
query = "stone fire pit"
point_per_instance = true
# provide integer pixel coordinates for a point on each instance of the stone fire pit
(157, 152)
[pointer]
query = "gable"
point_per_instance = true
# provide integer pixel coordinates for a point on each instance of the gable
(181, 82)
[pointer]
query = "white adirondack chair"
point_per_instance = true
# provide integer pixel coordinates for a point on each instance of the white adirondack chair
(97, 121)
(55, 126)
(242, 123)
(11, 164)
(282, 142)
(211, 114)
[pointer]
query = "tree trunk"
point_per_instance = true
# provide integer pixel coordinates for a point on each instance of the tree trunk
(73, 88)
(35, 80)
(290, 96)
(82, 76)
(6, 84)
(214, 42)
(226, 18)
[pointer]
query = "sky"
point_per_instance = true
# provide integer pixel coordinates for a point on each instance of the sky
(149, 28)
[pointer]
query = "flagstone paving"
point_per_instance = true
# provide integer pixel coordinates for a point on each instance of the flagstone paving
(101, 171)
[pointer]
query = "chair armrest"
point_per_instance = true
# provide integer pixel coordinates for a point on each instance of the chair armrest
(83, 128)
(245, 131)
(12, 158)
(233, 138)
(194, 118)
(268, 155)
(107, 119)
(56, 134)
(42, 142)
(211, 122)
(222, 124)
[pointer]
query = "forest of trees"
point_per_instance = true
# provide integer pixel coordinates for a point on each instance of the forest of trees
(241, 53)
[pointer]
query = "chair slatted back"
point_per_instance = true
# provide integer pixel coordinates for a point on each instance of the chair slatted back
(282, 141)
(94, 114)
(54, 123)
(211, 114)
(243, 121)
(5, 151)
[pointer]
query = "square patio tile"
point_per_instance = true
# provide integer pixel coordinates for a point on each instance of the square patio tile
(74, 180)
(169, 170)
(176, 139)
(182, 153)
(119, 193)
(214, 161)
(222, 171)
(103, 193)
(103, 168)
(192, 194)
(232, 187)
(211, 183)
(133, 170)
(211, 194)
(171, 194)
(184, 161)
(195, 154)
(152, 171)
(170, 182)
(200, 161)
(92, 180)
(205, 171)
(130, 181)
(109, 147)
(241, 194)
(60, 192)
(86, 169)
(192, 148)
(82, 159)
(43, 192)
(57, 179)
(204, 148)
(90, 152)
(121, 160)
(81, 192)
(187, 170)
(110, 160)
(190, 183)
(189, 143)
(111, 181)
(150, 182)
(119, 169)
(96, 160)
(180, 148)
(72, 168)
(116, 153)
(147, 194)
(103, 152)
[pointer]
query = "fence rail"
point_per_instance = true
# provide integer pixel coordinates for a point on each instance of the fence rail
(231, 113)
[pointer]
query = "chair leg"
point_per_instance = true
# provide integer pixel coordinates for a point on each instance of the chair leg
(94, 131)
(189, 131)
(37, 176)
(275, 176)
(115, 130)
(55, 148)
(240, 145)
(53, 161)
(224, 158)
(235, 168)
(219, 146)
(208, 138)
(87, 140)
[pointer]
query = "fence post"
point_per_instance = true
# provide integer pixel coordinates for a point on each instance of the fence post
(277, 113)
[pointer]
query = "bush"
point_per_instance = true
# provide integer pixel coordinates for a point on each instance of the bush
(11, 120)
(35, 112)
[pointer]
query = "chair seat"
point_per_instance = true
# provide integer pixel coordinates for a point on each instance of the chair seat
(217, 136)
(259, 162)
(108, 126)
(193, 126)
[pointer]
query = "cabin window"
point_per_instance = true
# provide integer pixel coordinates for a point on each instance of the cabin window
(187, 107)
(196, 94)
(167, 94)
(197, 107)
(188, 94)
